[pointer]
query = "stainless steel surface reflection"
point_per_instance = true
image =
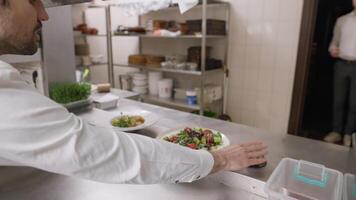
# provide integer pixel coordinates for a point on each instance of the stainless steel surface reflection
(36, 185)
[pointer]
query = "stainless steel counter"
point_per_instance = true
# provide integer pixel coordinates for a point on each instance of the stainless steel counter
(31, 184)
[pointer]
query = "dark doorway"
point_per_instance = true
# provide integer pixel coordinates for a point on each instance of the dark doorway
(318, 103)
(312, 111)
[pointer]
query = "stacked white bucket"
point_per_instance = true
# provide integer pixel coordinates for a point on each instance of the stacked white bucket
(153, 79)
(159, 86)
(140, 83)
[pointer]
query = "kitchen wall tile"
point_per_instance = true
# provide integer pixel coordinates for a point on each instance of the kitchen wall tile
(248, 117)
(255, 10)
(262, 122)
(284, 57)
(278, 105)
(240, 57)
(277, 125)
(271, 39)
(270, 31)
(238, 77)
(268, 57)
(254, 33)
(265, 80)
(288, 10)
(240, 34)
(249, 100)
(263, 103)
(235, 103)
(280, 81)
(253, 57)
(250, 79)
(271, 9)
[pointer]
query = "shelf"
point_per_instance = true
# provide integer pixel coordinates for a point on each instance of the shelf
(211, 3)
(169, 102)
(173, 37)
(187, 72)
(90, 35)
(91, 65)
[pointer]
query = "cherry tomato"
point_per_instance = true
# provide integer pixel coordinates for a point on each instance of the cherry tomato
(192, 146)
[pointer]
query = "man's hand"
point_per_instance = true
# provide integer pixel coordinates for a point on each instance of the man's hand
(335, 52)
(238, 157)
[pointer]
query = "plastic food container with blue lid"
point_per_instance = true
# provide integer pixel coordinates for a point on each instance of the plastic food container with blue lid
(192, 98)
(349, 187)
(302, 180)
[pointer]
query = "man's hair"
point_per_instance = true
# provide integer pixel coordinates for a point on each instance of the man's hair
(4, 2)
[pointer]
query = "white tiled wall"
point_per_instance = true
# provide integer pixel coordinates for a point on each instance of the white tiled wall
(263, 51)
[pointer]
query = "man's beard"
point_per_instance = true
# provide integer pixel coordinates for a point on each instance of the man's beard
(19, 46)
(8, 47)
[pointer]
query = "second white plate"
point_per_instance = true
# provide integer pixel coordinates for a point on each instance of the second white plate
(150, 119)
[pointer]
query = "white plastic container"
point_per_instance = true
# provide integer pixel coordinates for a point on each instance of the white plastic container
(212, 93)
(349, 187)
(139, 76)
(153, 78)
(106, 102)
(165, 88)
(140, 90)
(140, 82)
(301, 180)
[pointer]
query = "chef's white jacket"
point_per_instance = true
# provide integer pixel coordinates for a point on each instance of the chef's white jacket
(37, 132)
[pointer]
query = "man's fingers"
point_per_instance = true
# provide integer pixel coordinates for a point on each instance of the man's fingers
(256, 161)
(251, 144)
(257, 154)
(252, 147)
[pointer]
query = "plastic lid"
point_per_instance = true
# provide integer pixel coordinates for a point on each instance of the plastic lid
(349, 187)
(140, 75)
(191, 93)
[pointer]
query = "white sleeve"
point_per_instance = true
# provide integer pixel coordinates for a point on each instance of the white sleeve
(36, 132)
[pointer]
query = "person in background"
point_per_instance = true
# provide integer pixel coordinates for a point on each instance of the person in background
(343, 48)
(37, 132)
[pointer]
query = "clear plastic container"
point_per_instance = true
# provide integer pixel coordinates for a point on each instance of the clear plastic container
(301, 180)
(349, 187)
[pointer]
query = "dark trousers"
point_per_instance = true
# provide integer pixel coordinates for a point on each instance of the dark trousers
(344, 113)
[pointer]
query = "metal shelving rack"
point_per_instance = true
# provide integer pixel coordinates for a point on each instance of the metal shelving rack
(201, 75)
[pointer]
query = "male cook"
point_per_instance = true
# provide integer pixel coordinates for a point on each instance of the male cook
(37, 132)
(343, 47)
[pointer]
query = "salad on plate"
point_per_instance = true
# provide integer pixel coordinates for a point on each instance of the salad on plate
(198, 138)
(127, 121)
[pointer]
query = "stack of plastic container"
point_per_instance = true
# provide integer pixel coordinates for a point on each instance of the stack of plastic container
(349, 187)
(140, 83)
(301, 180)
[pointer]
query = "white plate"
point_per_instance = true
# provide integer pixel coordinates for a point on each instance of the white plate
(225, 139)
(150, 119)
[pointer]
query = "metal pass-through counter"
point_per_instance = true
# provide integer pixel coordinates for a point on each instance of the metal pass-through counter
(31, 184)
